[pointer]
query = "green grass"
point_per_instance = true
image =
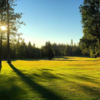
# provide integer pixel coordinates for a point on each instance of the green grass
(65, 78)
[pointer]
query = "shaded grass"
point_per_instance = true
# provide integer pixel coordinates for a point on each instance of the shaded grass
(45, 93)
(51, 80)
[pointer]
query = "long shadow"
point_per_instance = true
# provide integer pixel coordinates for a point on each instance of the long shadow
(0, 68)
(75, 60)
(91, 91)
(46, 93)
(46, 75)
(9, 90)
(72, 56)
(25, 59)
(86, 78)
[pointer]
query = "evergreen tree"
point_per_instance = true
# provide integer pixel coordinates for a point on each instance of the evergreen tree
(90, 12)
(47, 51)
(2, 9)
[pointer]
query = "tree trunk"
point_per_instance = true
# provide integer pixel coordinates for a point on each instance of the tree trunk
(1, 49)
(1, 40)
(8, 45)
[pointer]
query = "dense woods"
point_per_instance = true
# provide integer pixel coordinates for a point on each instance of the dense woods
(21, 50)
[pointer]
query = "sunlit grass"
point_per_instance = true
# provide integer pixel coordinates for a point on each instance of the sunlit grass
(65, 78)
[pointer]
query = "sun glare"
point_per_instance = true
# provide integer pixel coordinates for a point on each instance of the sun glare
(3, 28)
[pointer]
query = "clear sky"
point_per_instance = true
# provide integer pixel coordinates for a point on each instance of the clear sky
(57, 21)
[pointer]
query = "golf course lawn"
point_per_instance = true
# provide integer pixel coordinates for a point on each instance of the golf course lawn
(65, 78)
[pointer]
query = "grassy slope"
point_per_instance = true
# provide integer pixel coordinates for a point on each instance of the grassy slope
(68, 78)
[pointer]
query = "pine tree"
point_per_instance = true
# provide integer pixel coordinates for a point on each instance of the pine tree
(2, 8)
(47, 51)
(12, 23)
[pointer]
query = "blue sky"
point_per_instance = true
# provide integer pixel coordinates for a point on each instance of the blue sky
(57, 21)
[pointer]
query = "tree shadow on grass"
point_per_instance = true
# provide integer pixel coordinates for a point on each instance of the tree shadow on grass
(71, 58)
(86, 78)
(94, 92)
(47, 75)
(45, 69)
(44, 92)
(27, 59)
(0, 68)
(9, 90)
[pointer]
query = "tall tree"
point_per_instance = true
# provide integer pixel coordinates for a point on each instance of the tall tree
(8, 32)
(2, 7)
(90, 12)
(13, 23)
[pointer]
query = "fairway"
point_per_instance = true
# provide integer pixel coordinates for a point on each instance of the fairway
(65, 78)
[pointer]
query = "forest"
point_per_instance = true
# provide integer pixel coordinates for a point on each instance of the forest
(12, 46)
(21, 50)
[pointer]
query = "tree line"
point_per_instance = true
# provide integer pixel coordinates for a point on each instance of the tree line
(71, 49)
(22, 50)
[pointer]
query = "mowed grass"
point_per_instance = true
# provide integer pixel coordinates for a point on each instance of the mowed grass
(65, 78)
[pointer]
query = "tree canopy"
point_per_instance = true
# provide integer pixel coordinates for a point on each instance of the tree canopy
(90, 12)
(8, 18)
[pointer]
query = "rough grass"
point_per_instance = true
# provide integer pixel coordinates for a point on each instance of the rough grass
(65, 78)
